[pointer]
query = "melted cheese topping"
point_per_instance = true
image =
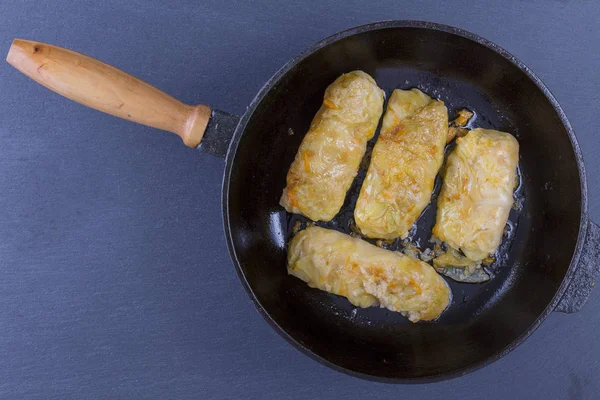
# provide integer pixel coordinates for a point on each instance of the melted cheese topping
(330, 153)
(405, 161)
(367, 275)
(477, 193)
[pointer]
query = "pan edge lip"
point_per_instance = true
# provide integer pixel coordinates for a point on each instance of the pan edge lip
(419, 24)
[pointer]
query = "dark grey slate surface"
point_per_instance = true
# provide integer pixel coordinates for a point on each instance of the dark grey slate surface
(115, 280)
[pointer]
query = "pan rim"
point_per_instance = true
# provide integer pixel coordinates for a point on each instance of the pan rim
(583, 223)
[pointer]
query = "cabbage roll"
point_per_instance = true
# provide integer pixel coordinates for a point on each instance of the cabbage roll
(367, 275)
(405, 161)
(477, 193)
(330, 153)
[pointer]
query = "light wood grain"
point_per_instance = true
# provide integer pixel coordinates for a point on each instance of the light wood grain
(107, 89)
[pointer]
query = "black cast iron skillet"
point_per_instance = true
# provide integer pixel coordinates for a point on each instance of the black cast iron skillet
(548, 262)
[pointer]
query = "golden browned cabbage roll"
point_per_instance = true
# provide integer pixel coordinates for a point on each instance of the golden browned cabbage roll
(404, 164)
(330, 153)
(477, 193)
(367, 275)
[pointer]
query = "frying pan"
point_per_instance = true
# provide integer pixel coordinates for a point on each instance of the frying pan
(549, 263)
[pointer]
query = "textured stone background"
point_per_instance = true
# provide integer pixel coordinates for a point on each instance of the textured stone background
(115, 280)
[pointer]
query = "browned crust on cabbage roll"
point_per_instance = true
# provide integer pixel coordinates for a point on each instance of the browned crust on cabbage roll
(477, 193)
(405, 161)
(330, 153)
(367, 275)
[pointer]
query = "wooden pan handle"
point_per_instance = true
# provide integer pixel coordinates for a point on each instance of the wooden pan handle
(107, 89)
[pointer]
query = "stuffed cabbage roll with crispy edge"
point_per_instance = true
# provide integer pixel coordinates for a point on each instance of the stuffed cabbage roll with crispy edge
(405, 161)
(330, 153)
(477, 193)
(367, 275)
